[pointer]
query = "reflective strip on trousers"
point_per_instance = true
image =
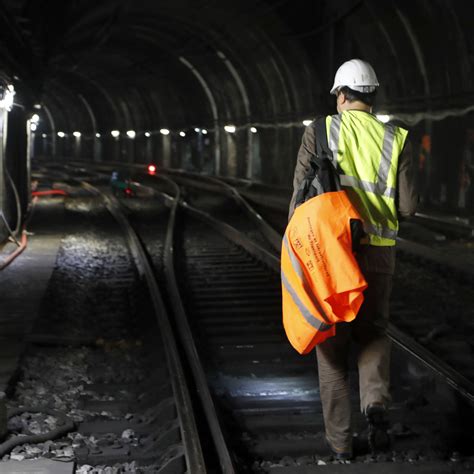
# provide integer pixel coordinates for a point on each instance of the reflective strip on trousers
(303, 309)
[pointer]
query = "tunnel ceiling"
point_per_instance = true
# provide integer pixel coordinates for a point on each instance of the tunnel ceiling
(147, 64)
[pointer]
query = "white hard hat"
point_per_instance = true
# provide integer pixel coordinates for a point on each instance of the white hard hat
(356, 74)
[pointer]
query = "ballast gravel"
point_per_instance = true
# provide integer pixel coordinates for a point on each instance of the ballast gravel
(91, 298)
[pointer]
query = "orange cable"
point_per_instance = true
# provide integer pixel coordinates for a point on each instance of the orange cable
(18, 251)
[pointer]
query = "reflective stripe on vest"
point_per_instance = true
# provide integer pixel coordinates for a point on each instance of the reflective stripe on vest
(376, 188)
(382, 232)
(380, 167)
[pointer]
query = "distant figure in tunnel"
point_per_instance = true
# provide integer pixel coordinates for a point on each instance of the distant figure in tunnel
(375, 164)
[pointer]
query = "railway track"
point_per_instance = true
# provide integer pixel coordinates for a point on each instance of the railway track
(455, 227)
(229, 296)
(103, 353)
(238, 325)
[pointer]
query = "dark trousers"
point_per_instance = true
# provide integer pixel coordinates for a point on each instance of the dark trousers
(373, 361)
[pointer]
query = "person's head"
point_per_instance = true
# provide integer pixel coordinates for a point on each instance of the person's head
(355, 86)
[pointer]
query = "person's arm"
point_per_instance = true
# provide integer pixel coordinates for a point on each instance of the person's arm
(307, 149)
(407, 188)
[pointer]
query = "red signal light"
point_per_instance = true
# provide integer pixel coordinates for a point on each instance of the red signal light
(151, 169)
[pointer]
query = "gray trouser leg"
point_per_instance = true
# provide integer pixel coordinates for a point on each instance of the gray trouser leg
(334, 388)
(373, 362)
(373, 344)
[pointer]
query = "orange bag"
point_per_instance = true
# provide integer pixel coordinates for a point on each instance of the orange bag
(321, 281)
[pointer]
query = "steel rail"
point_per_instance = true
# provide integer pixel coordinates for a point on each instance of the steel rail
(226, 460)
(189, 432)
(453, 378)
(273, 237)
(434, 256)
(456, 228)
(254, 248)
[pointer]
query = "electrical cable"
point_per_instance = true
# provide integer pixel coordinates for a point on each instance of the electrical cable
(408, 119)
(66, 426)
(22, 246)
(23, 242)
(18, 203)
(50, 192)
(13, 233)
(411, 119)
(10, 231)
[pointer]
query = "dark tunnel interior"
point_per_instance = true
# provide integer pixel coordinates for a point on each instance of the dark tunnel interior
(151, 279)
(223, 87)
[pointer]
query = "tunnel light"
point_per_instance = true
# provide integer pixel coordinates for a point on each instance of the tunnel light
(197, 130)
(151, 169)
(307, 122)
(77, 134)
(164, 131)
(182, 134)
(33, 127)
(34, 118)
(383, 118)
(204, 131)
(147, 134)
(131, 133)
(61, 134)
(44, 135)
(115, 133)
(6, 102)
(230, 128)
(253, 129)
(37, 106)
(97, 135)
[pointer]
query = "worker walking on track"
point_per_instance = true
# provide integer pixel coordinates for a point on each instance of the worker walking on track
(376, 169)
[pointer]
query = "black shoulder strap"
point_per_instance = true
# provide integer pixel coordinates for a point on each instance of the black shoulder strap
(328, 172)
(322, 146)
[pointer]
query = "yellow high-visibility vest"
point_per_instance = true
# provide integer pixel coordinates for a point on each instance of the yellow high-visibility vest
(367, 153)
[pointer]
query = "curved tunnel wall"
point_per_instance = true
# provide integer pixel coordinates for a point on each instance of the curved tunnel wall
(199, 64)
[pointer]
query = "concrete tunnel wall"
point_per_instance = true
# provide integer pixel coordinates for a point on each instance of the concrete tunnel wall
(146, 66)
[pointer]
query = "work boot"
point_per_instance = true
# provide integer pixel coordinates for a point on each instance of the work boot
(379, 439)
(342, 456)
